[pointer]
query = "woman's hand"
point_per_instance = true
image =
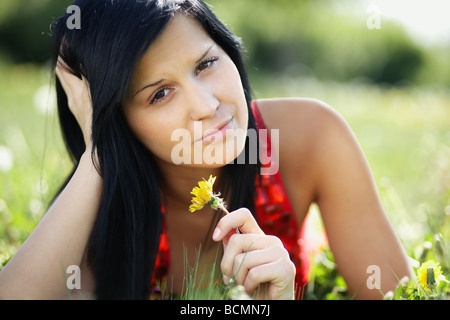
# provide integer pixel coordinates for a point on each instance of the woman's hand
(257, 261)
(78, 98)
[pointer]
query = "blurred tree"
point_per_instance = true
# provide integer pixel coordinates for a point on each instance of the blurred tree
(313, 38)
(25, 28)
(307, 37)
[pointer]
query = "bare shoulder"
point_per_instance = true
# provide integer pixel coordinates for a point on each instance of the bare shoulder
(311, 136)
(293, 115)
(306, 126)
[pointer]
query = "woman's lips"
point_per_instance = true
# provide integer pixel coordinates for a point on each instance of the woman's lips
(218, 133)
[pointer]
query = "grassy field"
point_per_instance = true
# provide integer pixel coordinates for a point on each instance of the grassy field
(405, 134)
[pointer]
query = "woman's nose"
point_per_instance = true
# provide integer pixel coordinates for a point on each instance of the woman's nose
(202, 101)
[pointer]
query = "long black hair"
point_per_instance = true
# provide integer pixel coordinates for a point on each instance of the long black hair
(113, 37)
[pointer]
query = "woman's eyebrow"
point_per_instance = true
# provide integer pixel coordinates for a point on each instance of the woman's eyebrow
(205, 54)
(158, 82)
(147, 86)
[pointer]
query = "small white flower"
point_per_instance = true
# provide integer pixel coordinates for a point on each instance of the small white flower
(45, 100)
(6, 159)
(389, 296)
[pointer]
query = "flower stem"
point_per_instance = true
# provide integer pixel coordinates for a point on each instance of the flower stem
(222, 207)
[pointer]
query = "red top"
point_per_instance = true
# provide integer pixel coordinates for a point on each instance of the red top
(274, 214)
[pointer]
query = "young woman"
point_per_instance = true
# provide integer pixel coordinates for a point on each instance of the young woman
(135, 73)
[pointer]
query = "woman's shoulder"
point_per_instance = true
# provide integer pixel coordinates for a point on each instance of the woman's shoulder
(309, 131)
(314, 142)
(302, 122)
(304, 130)
(288, 113)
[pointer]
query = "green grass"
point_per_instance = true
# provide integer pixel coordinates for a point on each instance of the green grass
(404, 133)
(39, 163)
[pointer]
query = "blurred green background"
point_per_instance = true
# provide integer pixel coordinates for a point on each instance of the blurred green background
(392, 88)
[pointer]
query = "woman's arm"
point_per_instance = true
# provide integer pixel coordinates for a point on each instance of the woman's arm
(39, 269)
(330, 168)
(360, 235)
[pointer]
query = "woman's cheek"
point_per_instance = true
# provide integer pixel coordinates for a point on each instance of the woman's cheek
(160, 142)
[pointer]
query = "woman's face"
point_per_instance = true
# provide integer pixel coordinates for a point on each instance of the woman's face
(186, 102)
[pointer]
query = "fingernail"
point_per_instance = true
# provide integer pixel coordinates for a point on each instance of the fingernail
(216, 234)
(226, 280)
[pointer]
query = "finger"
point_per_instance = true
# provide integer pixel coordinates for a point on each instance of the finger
(74, 87)
(60, 73)
(278, 275)
(62, 69)
(68, 80)
(78, 99)
(244, 262)
(67, 75)
(64, 66)
(244, 243)
(241, 219)
(259, 275)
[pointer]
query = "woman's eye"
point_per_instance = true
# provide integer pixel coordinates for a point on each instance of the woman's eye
(205, 65)
(160, 95)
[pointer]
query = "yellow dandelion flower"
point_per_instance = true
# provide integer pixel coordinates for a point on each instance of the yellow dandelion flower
(428, 274)
(204, 195)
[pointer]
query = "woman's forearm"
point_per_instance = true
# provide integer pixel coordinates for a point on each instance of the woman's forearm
(38, 269)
